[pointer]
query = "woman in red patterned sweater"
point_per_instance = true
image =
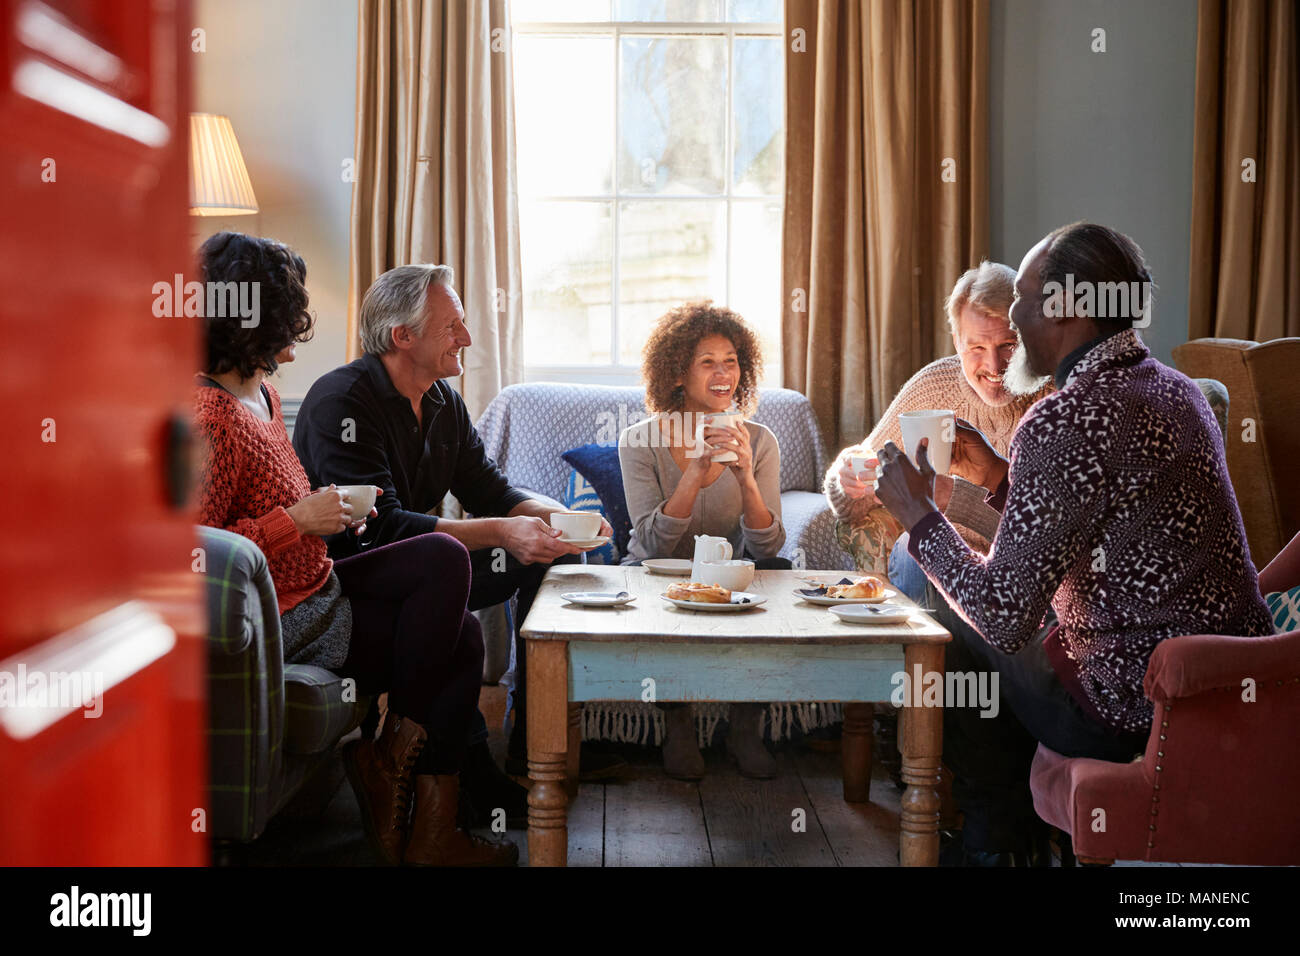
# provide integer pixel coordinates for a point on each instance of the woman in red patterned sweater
(393, 618)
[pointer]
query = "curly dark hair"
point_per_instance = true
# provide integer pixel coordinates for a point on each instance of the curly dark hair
(283, 318)
(671, 347)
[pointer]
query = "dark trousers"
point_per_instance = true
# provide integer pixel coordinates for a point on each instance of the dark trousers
(497, 577)
(990, 757)
(413, 637)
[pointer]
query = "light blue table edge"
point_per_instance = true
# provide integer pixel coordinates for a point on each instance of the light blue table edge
(657, 671)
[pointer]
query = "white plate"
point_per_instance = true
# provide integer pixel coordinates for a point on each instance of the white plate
(679, 567)
(873, 613)
(754, 601)
(586, 543)
(833, 602)
(599, 598)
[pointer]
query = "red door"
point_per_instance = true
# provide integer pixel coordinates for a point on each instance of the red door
(102, 756)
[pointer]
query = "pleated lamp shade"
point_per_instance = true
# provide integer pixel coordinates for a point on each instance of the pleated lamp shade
(219, 184)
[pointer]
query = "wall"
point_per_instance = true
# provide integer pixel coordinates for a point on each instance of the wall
(1099, 136)
(284, 71)
(1073, 135)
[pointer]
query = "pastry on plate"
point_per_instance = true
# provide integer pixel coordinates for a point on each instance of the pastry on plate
(699, 593)
(867, 588)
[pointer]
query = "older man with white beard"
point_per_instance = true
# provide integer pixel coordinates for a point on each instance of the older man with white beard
(971, 384)
(1119, 529)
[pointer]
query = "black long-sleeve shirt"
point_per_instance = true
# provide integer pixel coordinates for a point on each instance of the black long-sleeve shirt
(355, 428)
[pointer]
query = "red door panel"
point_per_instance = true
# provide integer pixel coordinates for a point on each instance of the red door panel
(93, 110)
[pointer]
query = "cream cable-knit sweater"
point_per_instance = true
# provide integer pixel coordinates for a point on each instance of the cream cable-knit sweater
(941, 384)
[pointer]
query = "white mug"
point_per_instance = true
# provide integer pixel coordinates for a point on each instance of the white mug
(733, 575)
(718, 420)
(938, 425)
(576, 525)
(361, 498)
(858, 465)
(708, 548)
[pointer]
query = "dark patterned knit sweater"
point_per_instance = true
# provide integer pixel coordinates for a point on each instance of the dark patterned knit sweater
(1119, 515)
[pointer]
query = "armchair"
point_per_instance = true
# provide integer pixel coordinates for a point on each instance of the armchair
(1222, 764)
(270, 724)
(1263, 441)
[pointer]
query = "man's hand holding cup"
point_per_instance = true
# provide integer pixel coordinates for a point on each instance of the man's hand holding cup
(858, 474)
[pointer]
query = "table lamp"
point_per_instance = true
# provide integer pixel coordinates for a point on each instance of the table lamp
(219, 184)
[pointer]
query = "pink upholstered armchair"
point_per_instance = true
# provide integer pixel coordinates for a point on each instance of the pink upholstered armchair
(1219, 778)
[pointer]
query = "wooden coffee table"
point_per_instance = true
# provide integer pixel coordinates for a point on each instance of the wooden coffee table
(785, 650)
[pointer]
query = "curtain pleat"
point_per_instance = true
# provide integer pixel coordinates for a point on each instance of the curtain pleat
(882, 99)
(1245, 263)
(435, 175)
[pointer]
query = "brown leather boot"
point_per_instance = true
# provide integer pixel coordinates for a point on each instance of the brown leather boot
(435, 841)
(380, 773)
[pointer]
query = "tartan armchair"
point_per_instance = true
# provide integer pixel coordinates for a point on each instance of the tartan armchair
(270, 724)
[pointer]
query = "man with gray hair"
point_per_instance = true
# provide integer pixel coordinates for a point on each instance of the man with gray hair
(392, 419)
(971, 384)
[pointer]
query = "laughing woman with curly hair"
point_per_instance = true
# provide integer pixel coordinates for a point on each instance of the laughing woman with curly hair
(701, 360)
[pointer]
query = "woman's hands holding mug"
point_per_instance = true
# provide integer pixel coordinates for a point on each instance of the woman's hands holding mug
(327, 511)
(720, 441)
(358, 525)
(736, 440)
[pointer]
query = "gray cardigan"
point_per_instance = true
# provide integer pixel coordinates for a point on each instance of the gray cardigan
(650, 476)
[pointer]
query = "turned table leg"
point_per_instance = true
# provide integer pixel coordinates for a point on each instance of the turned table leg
(855, 752)
(572, 766)
(548, 743)
(921, 743)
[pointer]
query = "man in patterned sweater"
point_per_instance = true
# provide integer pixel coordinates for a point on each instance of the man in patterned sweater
(1118, 520)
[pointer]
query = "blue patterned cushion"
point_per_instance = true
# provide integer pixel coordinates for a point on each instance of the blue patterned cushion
(581, 496)
(598, 465)
(1285, 608)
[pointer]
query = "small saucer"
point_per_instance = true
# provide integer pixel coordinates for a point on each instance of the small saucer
(599, 598)
(586, 543)
(677, 567)
(873, 613)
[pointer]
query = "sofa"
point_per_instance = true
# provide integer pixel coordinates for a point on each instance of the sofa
(527, 428)
(1263, 441)
(271, 725)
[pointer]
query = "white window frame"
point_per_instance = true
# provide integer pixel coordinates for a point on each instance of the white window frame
(616, 373)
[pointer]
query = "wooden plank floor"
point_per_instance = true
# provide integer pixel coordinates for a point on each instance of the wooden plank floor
(648, 819)
(742, 822)
(798, 819)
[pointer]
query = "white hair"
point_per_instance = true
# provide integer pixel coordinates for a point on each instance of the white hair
(989, 288)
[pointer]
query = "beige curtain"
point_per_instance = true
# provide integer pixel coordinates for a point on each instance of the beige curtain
(435, 175)
(1245, 268)
(886, 193)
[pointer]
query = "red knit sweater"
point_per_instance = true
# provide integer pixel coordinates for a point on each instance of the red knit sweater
(250, 476)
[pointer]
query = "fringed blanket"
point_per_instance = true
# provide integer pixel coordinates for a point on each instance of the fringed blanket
(643, 724)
